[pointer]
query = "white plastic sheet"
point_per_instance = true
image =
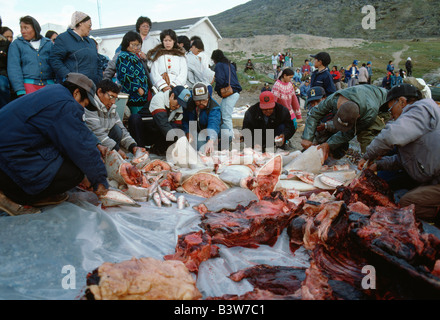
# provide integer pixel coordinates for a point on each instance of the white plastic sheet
(79, 236)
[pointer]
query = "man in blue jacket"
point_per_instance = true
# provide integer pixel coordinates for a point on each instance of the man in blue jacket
(202, 118)
(46, 147)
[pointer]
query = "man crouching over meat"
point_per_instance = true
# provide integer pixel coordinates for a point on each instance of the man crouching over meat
(415, 165)
(46, 147)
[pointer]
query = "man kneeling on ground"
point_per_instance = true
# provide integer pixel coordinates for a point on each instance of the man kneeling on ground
(105, 122)
(264, 116)
(46, 148)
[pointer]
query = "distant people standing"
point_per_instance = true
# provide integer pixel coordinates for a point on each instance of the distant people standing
(386, 81)
(352, 71)
(363, 74)
(336, 77)
(285, 94)
(306, 67)
(274, 59)
(5, 92)
(390, 67)
(396, 79)
(409, 66)
(321, 77)
(227, 87)
(370, 71)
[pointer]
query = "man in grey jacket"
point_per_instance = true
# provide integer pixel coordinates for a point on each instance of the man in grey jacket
(415, 132)
(105, 122)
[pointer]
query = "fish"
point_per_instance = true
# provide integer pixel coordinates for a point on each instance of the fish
(137, 193)
(140, 158)
(156, 165)
(153, 187)
(182, 203)
(113, 162)
(157, 200)
(114, 198)
(170, 195)
(165, 201)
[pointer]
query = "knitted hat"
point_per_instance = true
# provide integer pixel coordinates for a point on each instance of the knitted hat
(77, 17)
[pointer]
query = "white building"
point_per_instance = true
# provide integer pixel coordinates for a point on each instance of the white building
(109, 39)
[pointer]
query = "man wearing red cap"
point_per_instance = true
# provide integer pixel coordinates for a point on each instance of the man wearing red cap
(267, 120)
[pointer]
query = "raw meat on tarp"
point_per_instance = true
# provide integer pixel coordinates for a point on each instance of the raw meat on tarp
(204, 185)
(267, 178)
(227, 200)
(368, 189)
(258, 223)
(192, 249)
(141, 279)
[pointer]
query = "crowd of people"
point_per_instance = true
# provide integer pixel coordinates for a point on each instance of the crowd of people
(58, 111)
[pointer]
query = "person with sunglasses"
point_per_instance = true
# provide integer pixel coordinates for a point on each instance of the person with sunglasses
(105, 122)
(410, 151)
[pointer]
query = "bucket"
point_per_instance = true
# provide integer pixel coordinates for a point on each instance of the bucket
(121, 104)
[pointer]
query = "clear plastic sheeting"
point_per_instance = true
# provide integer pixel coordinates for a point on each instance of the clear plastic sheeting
(48, 255)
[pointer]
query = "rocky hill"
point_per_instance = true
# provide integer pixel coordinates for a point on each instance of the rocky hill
(395, 19)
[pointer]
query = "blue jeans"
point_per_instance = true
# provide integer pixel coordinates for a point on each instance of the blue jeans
(5, 93)
(227, 106)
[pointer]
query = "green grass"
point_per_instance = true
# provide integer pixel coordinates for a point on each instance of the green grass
(425, 55)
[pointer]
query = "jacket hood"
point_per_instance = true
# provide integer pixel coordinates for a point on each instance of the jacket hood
(159, 51)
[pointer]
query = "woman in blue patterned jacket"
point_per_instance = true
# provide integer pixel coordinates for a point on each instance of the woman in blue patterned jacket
(131, 72)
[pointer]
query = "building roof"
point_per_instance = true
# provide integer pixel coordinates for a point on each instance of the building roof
(156, 27)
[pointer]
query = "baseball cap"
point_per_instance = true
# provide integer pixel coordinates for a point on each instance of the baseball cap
(182, 94)
(315, 93)
(267, 100)
(323, 56)
(84, 82)
(356, 62)
(346, 117)
(403, 90)
(200, 92)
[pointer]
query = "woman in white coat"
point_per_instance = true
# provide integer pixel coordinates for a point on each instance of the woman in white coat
(168, 63)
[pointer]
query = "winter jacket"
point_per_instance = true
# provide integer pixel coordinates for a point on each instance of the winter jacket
(323, 79)
(164, 118)
(72, 53)
(27, 65)
(222, 73)
(198, 71)
(132, 76)
(416, 133)
(4, 47)
(102, 121)
(369, 98)
(39, 131)
(254, 119)
(209, 118)
(172, 62)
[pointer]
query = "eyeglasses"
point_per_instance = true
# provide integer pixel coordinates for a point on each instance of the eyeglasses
(136, 46)
(112, 97)
(389, 110)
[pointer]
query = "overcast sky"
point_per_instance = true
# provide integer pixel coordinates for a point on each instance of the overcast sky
(113, 12)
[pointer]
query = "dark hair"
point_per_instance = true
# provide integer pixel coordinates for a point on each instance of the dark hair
(82, 21)
(50, 33)
(129, 37)
(390, 61)
(336, 67)
(364, 65)
(186, 42)
(172, 34)
(72, 87)
(286, 72)
(141, 20)
(27, 20)
(218, 56)
(107, 85)
(198, 43)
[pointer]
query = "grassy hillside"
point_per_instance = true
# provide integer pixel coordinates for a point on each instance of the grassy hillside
(395, 19)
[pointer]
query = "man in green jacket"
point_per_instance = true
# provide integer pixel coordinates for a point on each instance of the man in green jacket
(357, 113)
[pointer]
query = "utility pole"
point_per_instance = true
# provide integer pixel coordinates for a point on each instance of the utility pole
(99, 12)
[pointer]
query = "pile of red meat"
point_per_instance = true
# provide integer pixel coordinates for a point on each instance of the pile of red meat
(359, 226)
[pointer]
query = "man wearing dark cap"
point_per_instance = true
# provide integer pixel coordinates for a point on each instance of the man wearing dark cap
(356, 111)
(321, 77)
(202, 118)
(415, 132)
(167, 111)
(46, 147)
(267, 120)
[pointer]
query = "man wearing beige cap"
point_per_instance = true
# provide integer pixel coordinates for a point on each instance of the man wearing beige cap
(74, 51)
(46, 147)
